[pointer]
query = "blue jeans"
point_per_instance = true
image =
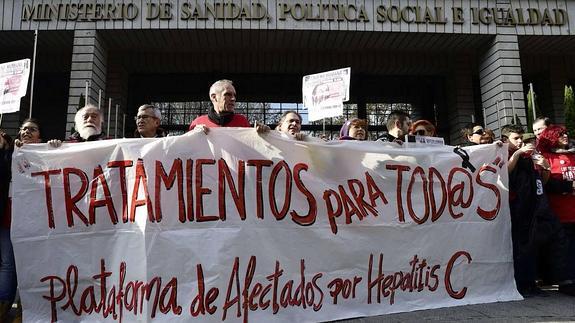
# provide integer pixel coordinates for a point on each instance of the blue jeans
(8, 281)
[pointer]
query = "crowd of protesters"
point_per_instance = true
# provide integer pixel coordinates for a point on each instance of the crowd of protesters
(541, 179)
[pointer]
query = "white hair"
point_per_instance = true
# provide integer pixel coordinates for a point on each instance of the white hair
(218, 86)
(84, 131)
(78, 118)
(154, 109)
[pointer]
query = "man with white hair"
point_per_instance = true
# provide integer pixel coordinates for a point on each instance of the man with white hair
(88, 124)
(148, 121)
(221, 114)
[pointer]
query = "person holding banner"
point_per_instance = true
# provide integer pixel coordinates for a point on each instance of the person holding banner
(354, 129)
(29, 133)
(472, 134)
(534, 227)
(7, 264)
(422, 128)
(398, 123)
(88, 122)
(290, 124)
(221, 114)
(148, 122)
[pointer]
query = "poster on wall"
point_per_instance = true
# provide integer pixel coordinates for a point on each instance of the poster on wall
(324, 93)
(13, 84)
(237, 226)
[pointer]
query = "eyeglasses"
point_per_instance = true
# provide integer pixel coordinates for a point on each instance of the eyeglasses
(30, 129)
(420, 132)
(143, 117)
(479, 132)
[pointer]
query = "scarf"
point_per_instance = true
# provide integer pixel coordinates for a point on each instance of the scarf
(220, 119)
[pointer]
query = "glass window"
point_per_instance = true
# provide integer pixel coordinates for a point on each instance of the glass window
(176, 116)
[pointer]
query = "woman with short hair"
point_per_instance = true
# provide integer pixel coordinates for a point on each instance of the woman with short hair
(422, 128)
(354, 129)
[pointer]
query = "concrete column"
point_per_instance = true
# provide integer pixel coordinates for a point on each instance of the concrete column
(499, 78)
(460, 98)
(117, 88)
(89, 63)
(558, 78)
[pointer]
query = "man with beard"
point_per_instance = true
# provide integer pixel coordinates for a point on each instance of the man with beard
(88, 123)
(223, 97)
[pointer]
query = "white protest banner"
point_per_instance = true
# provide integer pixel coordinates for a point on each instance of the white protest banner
(13, 84)
(234, 226)
(324, 93)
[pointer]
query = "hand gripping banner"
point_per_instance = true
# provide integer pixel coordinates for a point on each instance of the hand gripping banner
(236, 226)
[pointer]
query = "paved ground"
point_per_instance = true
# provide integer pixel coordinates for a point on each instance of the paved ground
(555, 308)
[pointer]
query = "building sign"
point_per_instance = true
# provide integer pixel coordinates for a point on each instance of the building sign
(237, 226)
(296, 11)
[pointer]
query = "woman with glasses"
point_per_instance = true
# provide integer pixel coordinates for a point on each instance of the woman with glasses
(473, 133)
(29, 134)
(422, 128)
(553, 143)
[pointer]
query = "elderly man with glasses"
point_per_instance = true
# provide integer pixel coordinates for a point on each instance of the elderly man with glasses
(148, 122)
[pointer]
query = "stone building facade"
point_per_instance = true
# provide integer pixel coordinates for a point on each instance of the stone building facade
(450, 59)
